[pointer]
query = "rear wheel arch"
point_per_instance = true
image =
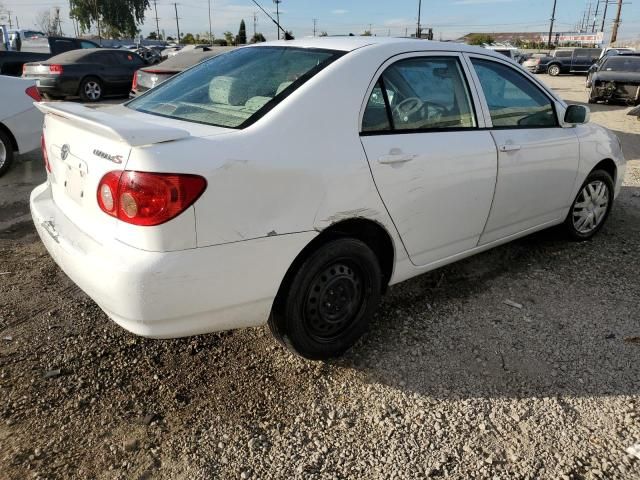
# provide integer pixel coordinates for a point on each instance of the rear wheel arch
(374, 235)
(88, 77)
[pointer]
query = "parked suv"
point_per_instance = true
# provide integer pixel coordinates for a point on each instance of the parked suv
(566, 60)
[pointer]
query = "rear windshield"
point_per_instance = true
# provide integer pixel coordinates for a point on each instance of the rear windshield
(235, 89)
(622, 64)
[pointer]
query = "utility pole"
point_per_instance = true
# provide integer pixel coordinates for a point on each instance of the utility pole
(586, 26)
(9, 18)
(98, 22)
(175, 7)
(553, 19)
(17, 23)
(604, 15)
(255, 24)
(155, 7)
(419, 30)
(595, 17)
(315, 26)
(278, 2)
(616, 24)
(210, 30)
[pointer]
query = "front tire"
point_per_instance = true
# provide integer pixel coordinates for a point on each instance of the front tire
(91, 90)
(591, 207)
(6, 153)
(554, 70)
(329, 301)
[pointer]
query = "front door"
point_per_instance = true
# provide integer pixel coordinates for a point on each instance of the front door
(537, 158)
(434, 166)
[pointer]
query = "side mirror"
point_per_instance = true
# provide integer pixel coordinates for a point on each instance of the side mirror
(577, 115)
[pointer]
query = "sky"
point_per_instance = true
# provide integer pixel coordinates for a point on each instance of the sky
(450, 19)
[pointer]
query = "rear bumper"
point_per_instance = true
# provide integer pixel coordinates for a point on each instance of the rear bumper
(172, 294)
(56, 85)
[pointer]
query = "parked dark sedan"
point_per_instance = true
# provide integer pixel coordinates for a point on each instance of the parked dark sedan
(90, 74)
(617, 79)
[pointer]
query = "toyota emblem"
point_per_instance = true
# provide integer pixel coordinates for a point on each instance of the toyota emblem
(64, 153)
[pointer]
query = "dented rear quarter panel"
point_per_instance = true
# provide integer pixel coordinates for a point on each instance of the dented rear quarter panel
(274, 177)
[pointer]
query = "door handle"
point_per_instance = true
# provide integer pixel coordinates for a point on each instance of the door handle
(396, 158)
(510, 148)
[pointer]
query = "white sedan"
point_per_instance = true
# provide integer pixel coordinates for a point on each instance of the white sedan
(20, 121)
(292, 182)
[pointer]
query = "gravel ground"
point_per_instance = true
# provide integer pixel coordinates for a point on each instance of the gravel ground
(451, 382)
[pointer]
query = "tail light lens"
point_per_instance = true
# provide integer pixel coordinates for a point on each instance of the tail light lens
(33, 93)
(147, 199)
(55, 69)
(134, 84)
(45, 156)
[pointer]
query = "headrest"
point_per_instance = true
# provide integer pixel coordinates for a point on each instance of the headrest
(227, 91)
(256, 103)
(283, 86)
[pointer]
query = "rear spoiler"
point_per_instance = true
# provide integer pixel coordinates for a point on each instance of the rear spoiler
(115, 127)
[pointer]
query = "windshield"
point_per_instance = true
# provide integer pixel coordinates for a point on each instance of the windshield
(622, 64)
(234, 89)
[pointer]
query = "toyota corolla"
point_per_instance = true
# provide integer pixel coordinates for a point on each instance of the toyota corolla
(293, 182)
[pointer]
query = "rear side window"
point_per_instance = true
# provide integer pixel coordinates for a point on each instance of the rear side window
(61, 46)
(514, 101)
(421, 94)
(84, 44)
(236, 88)
(564, 54)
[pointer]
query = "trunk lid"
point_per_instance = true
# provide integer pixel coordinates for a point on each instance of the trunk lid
(84, 144)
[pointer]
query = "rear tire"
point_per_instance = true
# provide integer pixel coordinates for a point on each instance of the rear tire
(6, 153)
(328, 303)
(591, 207)
(91, 90)
(553, 70)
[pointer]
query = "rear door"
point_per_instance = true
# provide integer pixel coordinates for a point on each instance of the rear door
(537, 158)
(434, 165)
(127, 63)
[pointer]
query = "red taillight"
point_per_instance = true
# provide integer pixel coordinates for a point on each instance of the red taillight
(134, 84)
(33, 93)
(55, 69)
(147, 199)
(45, 156)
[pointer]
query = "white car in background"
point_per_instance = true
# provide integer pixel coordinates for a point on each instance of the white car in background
(20, 121)
(294, 181)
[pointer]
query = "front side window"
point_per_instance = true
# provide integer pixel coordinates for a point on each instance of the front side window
(564, 54)
(622, 64)
(425, 93)
(514, 101)
(234, 89)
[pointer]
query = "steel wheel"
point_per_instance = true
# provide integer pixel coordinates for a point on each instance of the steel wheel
(590, 209)
(92, 90)
(333, 301)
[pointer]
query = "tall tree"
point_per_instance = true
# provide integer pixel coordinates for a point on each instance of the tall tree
(241, 39)
(114, 15)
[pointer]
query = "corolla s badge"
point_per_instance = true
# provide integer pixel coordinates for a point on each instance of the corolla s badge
(106, 156)
(64, 151)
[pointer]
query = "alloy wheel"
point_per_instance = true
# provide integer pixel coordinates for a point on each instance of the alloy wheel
(591, 207)
(3, 154)
(93, 90)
